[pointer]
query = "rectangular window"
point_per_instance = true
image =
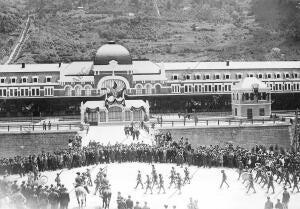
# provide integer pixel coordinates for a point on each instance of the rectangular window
(207, 76)
(239, 76)
(217, 76)
(261, 112)
(198, 77)
(48, 91)
(35, 91)
(48, 79)
(187, 88)
(295, 75)
(225, 89)
(175, 88)
(269, 75)
(2, 92)
(2, 80)
(34, 79)
(235, 111)
(24, 79)
(227, 76)
(175, 77)
(13, 80)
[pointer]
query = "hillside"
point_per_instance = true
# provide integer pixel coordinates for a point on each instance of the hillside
(180, 30)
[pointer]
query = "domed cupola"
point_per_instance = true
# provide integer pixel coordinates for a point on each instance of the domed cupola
(112, 51)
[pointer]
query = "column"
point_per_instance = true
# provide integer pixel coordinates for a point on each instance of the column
(98, 114)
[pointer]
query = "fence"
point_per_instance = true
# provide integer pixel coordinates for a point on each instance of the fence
(218, 122)
(38, 127)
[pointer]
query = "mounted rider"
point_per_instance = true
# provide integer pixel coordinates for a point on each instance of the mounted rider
(80, 181)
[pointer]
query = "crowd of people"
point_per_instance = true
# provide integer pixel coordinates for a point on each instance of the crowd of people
(273, 160)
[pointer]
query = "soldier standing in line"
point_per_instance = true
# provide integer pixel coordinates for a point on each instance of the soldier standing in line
(161, 184)
(139, 180)
(148, 184)
(224, 178)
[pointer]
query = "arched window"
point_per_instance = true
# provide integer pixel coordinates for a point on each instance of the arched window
(88, 90)
(148, 87)
(157, 88)
(78, 91)
(68, 91)
(139, 88)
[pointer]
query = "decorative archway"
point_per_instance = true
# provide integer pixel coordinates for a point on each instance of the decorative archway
(157, 88)
(109, 82)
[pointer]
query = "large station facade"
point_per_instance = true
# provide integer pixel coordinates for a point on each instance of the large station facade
(59, 89)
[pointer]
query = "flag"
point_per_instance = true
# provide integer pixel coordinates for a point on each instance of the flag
(115, 85)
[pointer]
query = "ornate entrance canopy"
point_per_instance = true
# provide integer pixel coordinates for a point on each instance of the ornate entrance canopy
(97, 112)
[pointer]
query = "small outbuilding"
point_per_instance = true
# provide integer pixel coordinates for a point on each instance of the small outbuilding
(251, 99)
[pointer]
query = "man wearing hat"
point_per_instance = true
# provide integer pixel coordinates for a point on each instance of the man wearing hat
(269, 204)
(64, 198)
(224, 178)
(88, 175)
(78, 180)
(57, 179)
(285, 198)
(129, 203)
(137, 206)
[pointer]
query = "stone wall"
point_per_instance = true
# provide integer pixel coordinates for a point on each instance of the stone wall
(23, 144)
(246, 136)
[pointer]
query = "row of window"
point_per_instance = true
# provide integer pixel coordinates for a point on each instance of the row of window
(251, 96)
(25, 91)
(197, 88)
(284, 86)
(228, 76)
(24, 79)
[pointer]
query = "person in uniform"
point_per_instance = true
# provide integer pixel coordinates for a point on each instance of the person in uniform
(98, 183)
(172, 177)
(64, 198)
(58, 180)
(285, 198)
(161, 184)
(129, 203)
(287, 179)
(295, 182)
(251, 184)
(178, 182)
(148, 184)
(78, 180)
(224, 179)
(139, 180)
(269, 204)
(278, 205)
(186, 176)
(89, 177)
(270, 182)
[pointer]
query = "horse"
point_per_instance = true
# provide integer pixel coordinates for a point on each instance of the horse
(106, 197)
(81, 194)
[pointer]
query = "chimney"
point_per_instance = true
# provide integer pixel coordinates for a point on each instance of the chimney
(227, 63)
(59, 64)
(23, 65)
